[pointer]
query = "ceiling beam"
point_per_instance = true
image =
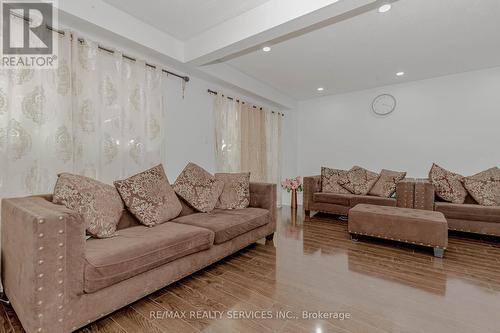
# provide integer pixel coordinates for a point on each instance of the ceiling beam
(270, 23)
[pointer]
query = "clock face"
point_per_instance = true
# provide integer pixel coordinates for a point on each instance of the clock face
(384, 104)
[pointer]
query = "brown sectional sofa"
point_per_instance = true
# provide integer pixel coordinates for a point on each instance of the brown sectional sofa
(57, 281)
(339, 204)
(468, 217)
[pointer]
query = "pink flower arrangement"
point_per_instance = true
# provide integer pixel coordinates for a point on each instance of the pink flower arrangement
(291, 184)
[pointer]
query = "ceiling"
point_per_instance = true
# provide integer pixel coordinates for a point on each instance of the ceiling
(423, 38)
(184, 19)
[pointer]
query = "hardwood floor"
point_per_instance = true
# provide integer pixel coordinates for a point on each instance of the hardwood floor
(314, 266)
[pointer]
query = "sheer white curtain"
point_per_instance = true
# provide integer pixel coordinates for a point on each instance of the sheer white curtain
(248, 139)
(96, 114)
(227, 134)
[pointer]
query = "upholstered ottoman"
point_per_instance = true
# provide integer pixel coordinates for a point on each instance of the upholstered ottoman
(415, 226)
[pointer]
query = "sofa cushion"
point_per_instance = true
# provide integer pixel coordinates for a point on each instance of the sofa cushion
(484, 187)
(228, 224)
(149, 196)
(448, 185)
(469, 212)
(358, 180)
(98, 203)
(236, 191)
(198, 188)
(333, 198)
(139, 249)
(329, 181)
(386, 184)
(372, 200)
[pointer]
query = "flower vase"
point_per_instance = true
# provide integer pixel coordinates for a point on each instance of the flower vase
(293, 204)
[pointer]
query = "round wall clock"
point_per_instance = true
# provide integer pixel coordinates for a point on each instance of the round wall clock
(384, 104)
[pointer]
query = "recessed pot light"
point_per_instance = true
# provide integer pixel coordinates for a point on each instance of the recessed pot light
(385, 8)
(400, 73)
(266, 49)
(320, 89)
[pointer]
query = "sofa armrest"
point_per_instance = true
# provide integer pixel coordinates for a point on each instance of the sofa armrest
(405, 193)
(264, 195)
(424, 194)
(311, 185)
(417, 193)
(43, 248)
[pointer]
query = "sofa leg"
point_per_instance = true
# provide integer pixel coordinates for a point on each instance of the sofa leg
(307, 213)
(354, 238)
(270, 237)
(438, 253)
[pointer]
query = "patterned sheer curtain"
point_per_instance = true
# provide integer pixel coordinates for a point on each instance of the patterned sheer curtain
(248, 139)
(36, 125)
(96, 114)
(118, 112)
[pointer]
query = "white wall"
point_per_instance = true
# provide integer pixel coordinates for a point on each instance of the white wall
(452, 120)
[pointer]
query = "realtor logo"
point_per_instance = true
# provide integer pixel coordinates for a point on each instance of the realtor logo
(27, 40)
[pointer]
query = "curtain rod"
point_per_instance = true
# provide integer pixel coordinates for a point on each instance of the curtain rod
(242, 102)
(107, 49)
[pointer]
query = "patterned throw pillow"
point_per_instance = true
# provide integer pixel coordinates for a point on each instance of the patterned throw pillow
(485, 187)
(329, 181)
(98, 203)
(448, 185)
(386, 184)
(236, 191)
(198, 188)
(149, 196)
(358, 180)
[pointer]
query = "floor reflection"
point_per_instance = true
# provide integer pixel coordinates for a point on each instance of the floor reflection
(472, 259)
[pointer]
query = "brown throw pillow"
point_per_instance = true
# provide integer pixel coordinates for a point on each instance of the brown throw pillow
(485, 187)
(198, 188)
(448, 185)
(149, 196)
(386, 184)
(329, 181)
(236, 191)
(98, 203)
(358, 180)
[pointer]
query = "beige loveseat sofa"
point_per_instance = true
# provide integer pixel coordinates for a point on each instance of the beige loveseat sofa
(467, 217)
(57, 281)
(316, 200)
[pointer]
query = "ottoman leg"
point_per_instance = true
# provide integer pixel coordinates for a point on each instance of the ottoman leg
(439, 253)
(354, 238)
